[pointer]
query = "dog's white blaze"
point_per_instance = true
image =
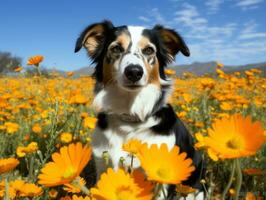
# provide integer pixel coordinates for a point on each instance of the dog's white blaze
(136, 34)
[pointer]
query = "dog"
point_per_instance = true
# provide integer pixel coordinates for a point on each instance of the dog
(132, 90)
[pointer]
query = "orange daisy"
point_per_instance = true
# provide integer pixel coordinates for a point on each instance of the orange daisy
(125, 186)
(8, 164)
(35, 60)
(132, 146)
(233, 137)
(165, 166)
(66, 165)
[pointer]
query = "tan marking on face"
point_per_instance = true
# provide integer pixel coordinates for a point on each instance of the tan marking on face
(124, 40)
(154, 75)
(144, 42)
(90, 42)
(108, 73)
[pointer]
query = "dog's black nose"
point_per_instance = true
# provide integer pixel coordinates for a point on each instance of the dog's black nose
(133, 72)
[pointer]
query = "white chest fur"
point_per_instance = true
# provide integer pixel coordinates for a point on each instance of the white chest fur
(118, 133)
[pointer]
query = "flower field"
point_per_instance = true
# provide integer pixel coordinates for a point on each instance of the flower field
(46, 127)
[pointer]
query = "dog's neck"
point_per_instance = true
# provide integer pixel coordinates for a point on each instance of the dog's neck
(131, 106)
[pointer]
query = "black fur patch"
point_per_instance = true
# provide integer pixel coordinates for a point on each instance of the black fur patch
(168, 119)
(102, 121)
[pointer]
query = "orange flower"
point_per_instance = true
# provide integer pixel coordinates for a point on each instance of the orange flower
(169, 72)
(8, 164)
(233, 138)
(165, 166)
(66, 165)
(124, 186)
(254, 171)
(37, 128)
(69, 74)
(11, 127)
(18, 69)
(35, 60)
(184, 189)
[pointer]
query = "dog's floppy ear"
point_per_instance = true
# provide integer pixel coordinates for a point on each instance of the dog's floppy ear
(172, 41)
(93, 38)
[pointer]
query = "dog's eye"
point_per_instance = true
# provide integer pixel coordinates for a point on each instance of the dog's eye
(148, 51)
(117, 49)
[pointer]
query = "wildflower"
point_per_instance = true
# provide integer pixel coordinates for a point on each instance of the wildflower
(165, 166)
(18, 69)
(69, 74)
(232, 138)
(52, 193)
(78, 99)
(232, 192)
(219, 65)
(22, 151)
(11, 127)
(250, 196)
(66, 165)
(254, 171)
(169, 72)
(124, 186)
(37, 128)
(74, 189)
(30, 190)
(132, 146)
(8, 164)
(35, 60)
(75, 197)
(184, 189)
(66, 137)
(90, 122)
(226, 106)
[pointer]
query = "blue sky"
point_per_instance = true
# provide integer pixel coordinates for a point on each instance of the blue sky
(229, 31)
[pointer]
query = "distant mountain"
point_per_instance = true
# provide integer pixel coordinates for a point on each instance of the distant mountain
(198, 68)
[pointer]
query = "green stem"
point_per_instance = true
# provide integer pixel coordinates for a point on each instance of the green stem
(230, 181)
(83, 188)
(31, 169)
(239, 179)
(164, 194)
(6, 189)
(157, 189)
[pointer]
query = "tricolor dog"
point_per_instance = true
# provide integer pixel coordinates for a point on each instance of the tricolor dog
(132, 90)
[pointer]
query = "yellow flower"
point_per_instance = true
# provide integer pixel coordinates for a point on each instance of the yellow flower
(35, 60)
(132, 146)
(90, 122)
(233, 138)
(22, 151)
(37, 128)
(75, 197)
(11, 127)
(66, 137)
(8, 164)
(66, 165)
(125, 186)
(226, 106)
(219, 65)
(165, 166)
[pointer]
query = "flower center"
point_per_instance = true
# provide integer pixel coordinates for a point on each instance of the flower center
(234, 143)
(69, 172)
(163, 173)
(123, 193)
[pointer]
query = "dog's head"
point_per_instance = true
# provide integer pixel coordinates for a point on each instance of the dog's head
(130, 56)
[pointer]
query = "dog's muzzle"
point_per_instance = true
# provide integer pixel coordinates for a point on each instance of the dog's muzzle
(133, 73)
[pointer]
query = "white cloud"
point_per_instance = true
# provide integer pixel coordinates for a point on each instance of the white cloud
(250, 32)
(145, 19)
(213, 5)
(248, 4)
